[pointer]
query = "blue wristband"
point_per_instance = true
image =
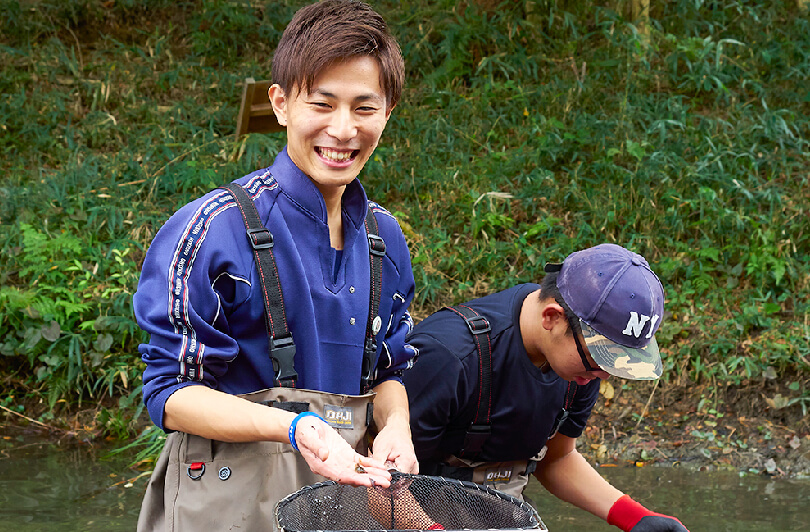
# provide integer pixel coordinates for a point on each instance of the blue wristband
(291, 432)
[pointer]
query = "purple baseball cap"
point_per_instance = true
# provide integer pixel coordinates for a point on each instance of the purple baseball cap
(620, 303)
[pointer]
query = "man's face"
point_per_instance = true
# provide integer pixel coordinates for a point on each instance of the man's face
(568, 363)
(334, 128)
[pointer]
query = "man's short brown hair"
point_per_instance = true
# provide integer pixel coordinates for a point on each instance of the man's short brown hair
(332, 31)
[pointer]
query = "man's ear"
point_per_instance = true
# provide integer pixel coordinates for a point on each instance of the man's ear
(552, 315)
(279, 102)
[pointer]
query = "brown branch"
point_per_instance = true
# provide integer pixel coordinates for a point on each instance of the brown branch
(41, 424)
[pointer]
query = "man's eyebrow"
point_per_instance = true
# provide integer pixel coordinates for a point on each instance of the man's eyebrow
(371, 96)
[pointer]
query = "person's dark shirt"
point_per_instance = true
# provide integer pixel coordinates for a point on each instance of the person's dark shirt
(443, 385)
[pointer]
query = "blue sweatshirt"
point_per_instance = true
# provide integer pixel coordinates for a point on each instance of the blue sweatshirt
(200, 299)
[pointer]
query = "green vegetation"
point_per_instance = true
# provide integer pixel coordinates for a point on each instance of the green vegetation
(520, 138)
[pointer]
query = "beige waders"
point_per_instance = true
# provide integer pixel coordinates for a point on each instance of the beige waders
(202, 484)
(507, 477)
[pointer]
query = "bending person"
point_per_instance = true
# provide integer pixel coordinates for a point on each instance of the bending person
(503, 385)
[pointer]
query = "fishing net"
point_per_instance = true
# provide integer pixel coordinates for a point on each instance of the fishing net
(413, 502)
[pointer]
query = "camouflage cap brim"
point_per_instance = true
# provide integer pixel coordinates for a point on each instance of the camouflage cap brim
(637, 363)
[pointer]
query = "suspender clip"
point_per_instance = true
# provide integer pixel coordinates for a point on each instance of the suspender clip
(367, 370)
(376, 245)
(478, 324)
(282, 351)
(475, 438)
(260, 238)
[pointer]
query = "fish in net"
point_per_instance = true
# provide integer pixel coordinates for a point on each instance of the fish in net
(412, 502)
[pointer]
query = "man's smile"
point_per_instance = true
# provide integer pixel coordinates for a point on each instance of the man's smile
(337, 155)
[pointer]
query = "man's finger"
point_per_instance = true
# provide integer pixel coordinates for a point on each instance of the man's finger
(369, 479)
(369, 461)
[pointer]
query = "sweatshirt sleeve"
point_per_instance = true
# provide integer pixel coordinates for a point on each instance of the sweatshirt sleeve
(179, 302)
(395, 354)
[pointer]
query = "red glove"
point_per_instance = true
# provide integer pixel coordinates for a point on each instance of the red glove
(435, 526)
(630, 516)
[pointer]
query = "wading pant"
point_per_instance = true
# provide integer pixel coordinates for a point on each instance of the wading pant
(507, 477)
(202, 484)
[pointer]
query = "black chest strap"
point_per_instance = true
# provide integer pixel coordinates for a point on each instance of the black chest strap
(376, 252)
(480, 429)
(282, 346)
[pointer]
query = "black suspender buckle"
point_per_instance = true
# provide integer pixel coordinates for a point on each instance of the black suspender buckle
(474, 439)
(282, 351)
(478, 324)
(296, 407)
(260, 238)
(376, 245)
(367, 370)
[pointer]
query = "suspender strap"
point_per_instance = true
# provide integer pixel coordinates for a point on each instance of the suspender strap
(376, 251)
(480, 429)
(282, 347)
(570, 393)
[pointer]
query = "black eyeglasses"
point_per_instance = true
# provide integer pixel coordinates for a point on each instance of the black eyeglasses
(580, 348)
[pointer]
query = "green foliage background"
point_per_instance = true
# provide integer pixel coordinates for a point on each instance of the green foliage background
(526, 132)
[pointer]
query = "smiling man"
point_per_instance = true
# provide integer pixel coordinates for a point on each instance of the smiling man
(277, 307)
(503, 385)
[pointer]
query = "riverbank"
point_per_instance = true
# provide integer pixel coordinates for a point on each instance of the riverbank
(749, 428)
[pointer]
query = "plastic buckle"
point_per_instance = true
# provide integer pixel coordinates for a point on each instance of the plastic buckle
(475, 438)
(376, 245)
(260, 238)
(282, 351)
(478, 321)
(558, 421)
(367, 372)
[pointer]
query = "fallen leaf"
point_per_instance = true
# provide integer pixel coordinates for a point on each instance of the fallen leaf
(606, 389)
(778, 401)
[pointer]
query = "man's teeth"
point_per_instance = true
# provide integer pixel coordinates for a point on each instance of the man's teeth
(336, 155)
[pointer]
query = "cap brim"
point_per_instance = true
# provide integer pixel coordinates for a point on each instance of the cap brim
(638, 363)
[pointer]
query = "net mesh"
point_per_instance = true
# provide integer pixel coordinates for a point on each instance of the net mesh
(413, 502)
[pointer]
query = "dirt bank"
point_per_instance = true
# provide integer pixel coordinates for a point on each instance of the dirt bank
(750, 428)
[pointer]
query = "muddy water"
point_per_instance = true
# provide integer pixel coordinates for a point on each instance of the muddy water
(717, 501)
(47, 487)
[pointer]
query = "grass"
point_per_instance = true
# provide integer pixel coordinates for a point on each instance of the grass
(520, 138)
